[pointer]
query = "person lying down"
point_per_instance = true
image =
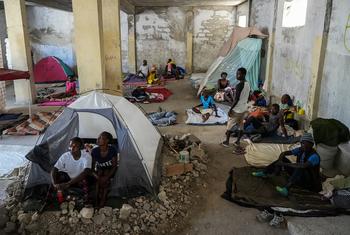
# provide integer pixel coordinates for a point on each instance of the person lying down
(207, 106)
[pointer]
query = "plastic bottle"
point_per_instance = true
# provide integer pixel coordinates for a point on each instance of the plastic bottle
(60, 197)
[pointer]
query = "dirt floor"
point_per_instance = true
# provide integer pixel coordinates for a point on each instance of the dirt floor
(212, 214)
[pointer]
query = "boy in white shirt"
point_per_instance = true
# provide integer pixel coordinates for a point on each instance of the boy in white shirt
(72, 168)
(144, 70)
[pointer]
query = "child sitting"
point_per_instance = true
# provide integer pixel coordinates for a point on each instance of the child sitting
(71, 90)
(208, 104)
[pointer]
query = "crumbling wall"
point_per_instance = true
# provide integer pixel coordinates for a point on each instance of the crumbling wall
(160, 35)
(212, 27)
(295, 52)
(51, 33)
(334, 101)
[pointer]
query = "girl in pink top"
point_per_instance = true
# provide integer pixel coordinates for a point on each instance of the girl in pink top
(71, 87)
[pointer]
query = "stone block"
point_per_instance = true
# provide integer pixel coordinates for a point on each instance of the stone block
(178, 169)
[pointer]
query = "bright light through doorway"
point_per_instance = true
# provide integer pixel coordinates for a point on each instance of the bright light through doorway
(294, 13)
(242, 21)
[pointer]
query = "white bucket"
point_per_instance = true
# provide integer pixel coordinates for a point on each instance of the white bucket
(184, 157)
(327, 155)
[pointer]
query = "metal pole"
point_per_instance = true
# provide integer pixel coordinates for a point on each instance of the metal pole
(30, 100)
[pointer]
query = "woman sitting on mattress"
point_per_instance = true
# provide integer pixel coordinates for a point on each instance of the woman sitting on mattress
(152, 76)
(225, 92)
(71, 90)
(208, 106)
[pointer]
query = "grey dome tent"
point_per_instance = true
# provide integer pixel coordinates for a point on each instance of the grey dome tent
(139, 142)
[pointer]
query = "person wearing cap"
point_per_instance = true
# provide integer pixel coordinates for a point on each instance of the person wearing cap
(304, 173)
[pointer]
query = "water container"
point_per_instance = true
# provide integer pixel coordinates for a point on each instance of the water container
(184, 157)
(327, 155)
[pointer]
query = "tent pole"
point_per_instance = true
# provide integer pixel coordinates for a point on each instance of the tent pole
(30, 100)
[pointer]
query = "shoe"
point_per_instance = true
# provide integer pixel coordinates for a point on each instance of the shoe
(264, 216)
(282, 190)
(259, 174)
(225, 145)
(277, 221)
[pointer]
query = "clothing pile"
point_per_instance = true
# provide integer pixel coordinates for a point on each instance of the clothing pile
(149, 94)
(162, 118)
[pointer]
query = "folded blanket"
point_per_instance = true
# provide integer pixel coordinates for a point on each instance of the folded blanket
(196, 119)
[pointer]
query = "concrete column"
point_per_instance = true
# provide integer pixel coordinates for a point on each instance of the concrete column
(318, 59)
(271, 51)
(189, 41)
(112, 45)
(132, 44)
(16, 21)
(2, 87)
(89, 43)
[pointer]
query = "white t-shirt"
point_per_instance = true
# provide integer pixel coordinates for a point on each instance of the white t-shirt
(144, 69)
(242, 105)
(66, 163)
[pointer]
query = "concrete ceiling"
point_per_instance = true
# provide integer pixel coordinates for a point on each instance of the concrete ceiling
(129, 5)
(165, 3)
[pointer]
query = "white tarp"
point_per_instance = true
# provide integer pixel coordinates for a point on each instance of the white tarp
(196, 119)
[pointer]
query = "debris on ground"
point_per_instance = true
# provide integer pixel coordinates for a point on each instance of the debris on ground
(161, 214)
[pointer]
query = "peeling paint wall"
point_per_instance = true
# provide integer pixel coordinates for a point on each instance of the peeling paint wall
(212, 27)
(51, 33)
(160, 35)
(124, 40)
(294, 52)
(334, 99)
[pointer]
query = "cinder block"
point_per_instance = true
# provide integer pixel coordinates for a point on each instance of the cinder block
(178, 169)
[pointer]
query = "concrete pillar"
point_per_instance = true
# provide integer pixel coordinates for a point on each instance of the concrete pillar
(132, 44)
(189, 41)
(16, 21)
(318, 59)
(2, 87)
(88, 36)
(271, 51)
(112, 45)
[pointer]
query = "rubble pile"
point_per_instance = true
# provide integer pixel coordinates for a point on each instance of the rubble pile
(142, 215)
